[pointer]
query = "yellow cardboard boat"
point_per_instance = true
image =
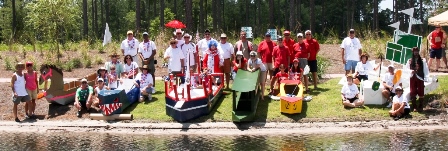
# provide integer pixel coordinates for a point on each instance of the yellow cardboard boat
(291, 96)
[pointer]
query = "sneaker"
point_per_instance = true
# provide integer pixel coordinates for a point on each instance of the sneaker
(396, 118)
(78, 114)
(142, 99)
(150, 97)
(390, 105)
(27, 116)
(17, 120)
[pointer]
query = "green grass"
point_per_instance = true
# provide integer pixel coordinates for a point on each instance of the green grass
(325, 106)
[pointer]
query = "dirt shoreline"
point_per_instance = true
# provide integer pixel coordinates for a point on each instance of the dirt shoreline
(220, 128)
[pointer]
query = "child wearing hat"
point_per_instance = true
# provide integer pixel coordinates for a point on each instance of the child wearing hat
(349, 94)
(146, 83)
(295, 73)
(239, 63)
(101, 85)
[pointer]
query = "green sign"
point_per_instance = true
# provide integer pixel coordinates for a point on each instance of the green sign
(400, 50)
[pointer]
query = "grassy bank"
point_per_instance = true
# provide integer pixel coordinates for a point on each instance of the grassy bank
(325, 106)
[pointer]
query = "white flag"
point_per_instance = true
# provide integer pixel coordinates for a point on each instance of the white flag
(395, 25)
(409, 11)
(415, 21)
(107, 35)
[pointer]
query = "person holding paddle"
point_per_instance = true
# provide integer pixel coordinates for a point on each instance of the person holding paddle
(390, 82)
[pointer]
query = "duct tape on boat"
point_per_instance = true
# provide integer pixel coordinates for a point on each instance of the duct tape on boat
(179, 104)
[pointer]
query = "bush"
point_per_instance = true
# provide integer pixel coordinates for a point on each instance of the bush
(76, 63)
(99, 60)
(68, 66)
(322, 66)
(8, 64)
(88, 63)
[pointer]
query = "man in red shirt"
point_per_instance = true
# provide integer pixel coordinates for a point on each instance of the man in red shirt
(437, 39)
(312, 60)
(302, 53)
(265, 49)
(288, 42)
(280, 55)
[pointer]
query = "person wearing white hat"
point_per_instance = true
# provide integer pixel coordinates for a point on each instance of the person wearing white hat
(254, 64)
(301, 52)
(389, 86)
(400, 105)
(147, 51)
(19, 90)
(178, 34)
(226, 51)
(100, 87)
(83, 98)
(314, 49)
(190, 54)
(351, 52)
(129, 46)
(239, 63)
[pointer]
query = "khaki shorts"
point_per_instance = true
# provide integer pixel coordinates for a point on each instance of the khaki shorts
(32, 93)
(269, 66)
(227, 66)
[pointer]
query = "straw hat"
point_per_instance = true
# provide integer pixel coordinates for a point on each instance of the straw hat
(114, 54)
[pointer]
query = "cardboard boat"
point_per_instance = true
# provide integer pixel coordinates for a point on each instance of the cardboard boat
(246, 95)
(60, 92)
(116, 101)
(187, 102)
(291, 96)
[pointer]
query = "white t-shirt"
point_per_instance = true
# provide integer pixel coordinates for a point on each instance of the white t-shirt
(363, 69)
(180, 42)
(351, 47)
(226, 50)
(97, 90)
(175, 55)
(203, 46)
(350, 91)
(388, 78)
(401, 99)
(147, 48)
(113, 83)
(257, 62)
(189, 47)
(128, 68)
(145, 79)
(130, 46)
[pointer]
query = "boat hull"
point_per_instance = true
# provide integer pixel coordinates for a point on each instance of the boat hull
(191, 109)
(63, 98)
(291, 105)
(116, 101)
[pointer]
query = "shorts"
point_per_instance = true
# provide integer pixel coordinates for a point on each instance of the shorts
(262, 77)
(227, 66)
(417, 87)
(269, 66)
(302, 63)
(435, 53)
(313, 65)
(362, 77)
(18, 99)
(350, 65)
(391, 94)
(351, 100)
(276, 70)
(83, 104)
(32, 93)
(406, 111)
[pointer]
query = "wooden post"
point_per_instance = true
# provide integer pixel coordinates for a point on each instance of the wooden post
(188, 92)
(171, 79)
(175, 92)
(204, 87)
(166, 88)
(210, 86)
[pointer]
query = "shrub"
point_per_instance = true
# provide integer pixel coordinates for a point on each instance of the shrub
(68, 66)
(88, 63)
(322, 66)
(99, 60)
(8, 64)
(76, 63)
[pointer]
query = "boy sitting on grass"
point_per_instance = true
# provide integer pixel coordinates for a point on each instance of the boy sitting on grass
(349, 94)
(400, 105)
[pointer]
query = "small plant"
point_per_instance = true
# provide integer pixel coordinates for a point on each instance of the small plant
(76, 63)
(68, 66)
(88, 63)
(322, 66)
(99, 60)
(8, 64)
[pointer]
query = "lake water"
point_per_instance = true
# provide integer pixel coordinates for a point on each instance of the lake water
(402, 140)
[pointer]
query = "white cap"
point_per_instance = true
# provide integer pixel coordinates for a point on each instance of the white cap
(299, 35)
(100, 79)
(239, 53)
(187, 35)
(391, 66)
(84, 80)
(399, 87)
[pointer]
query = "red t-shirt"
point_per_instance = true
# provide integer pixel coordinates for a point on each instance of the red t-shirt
(289, 43)
(265, 49)
(281, 76)
(281, 55)
(243, 63)
(301, 50)
(313, 48)
(436, 39)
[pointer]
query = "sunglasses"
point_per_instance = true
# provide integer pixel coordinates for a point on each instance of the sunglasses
(352, 32)
(207, 34)
(100, 81)
(286, 35)
(307, 34)
(223, 38)
(268, 36)
(128, 58)
(178, 33)
(83, 82)
(186, 37)
(112, 68)
(252, 55)
(437, 27)
(172, 43)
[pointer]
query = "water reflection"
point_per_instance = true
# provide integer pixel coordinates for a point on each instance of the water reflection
(388, 140)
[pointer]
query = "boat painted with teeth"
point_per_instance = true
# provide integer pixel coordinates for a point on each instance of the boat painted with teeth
(116, 101)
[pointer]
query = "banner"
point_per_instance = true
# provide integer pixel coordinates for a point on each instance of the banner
(248, 31)
(273, 33)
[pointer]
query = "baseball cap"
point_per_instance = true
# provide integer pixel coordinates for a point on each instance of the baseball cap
(100, 79)
(145, 33)
(286, 32)
(391, 66)
(83, 80)
(239, 53)
(207, 31)
(295, 60)
(223, 35)
(130, 32)
(267, 34)
(299, 35)
(187, 35)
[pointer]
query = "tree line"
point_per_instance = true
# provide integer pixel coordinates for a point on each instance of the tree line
(29, 21)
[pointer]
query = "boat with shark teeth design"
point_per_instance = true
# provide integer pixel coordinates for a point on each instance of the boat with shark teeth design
(116, 101)
(61, 92)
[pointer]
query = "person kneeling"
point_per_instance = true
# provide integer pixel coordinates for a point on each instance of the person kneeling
(146, 83)
(400, 105)
(349, 94)
(83, 97)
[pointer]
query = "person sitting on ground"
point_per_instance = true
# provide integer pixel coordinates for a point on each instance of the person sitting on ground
(19, 90)
(295, 73)
(389, 86)
(239, 63)
(146, 83)
(282, 75)
(83, 98)
(349, 94)
(130, 67)
(100, 87)
(400, 105)
(254, 64)
(362, 69)
(102, 73)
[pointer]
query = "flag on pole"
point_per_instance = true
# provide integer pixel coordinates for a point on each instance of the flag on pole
(415, 21)
(409, 11)
(197, 36)
(107, 35)
(395, 25)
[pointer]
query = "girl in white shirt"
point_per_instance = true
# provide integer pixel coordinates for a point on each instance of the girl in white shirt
(130, 67)
(362, 69)
(400, 105)
(349, 94)
(254, 64)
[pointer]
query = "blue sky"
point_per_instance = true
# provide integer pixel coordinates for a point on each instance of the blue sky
(386, 4)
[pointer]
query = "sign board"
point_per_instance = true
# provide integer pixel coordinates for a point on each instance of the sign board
(400, 50)
(248, 31)
(273, 33)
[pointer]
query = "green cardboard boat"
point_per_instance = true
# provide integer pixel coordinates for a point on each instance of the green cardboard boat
(246, 95)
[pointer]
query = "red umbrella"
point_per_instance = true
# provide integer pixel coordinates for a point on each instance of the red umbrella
(175, 24)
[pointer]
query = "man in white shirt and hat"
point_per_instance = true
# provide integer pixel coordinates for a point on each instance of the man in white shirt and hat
(226, 50)
(178, 33)
(203, 44)
(190, 54)
(351, 52)
(129, 46)
(147, 51)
